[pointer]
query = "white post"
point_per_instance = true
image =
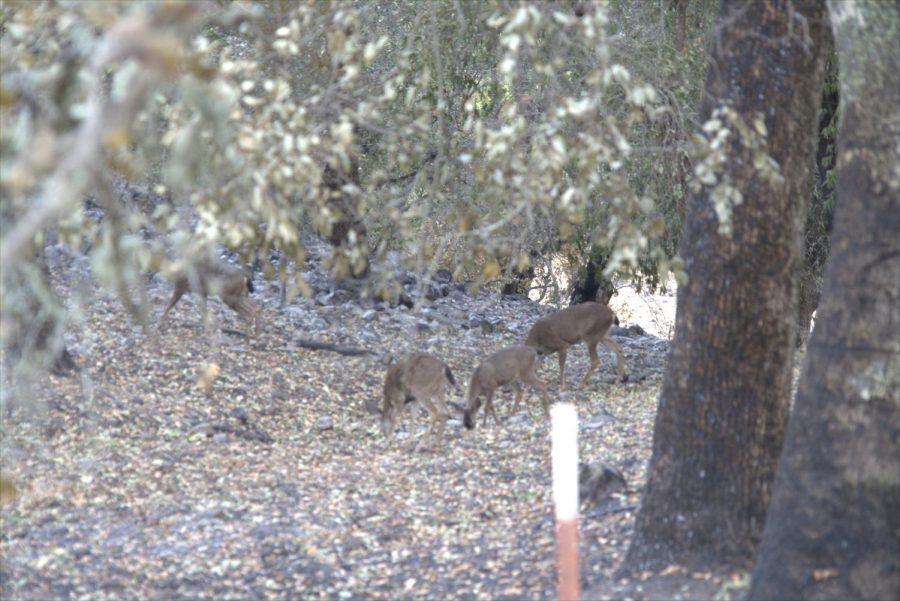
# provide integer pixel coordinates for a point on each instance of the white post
(564, 439)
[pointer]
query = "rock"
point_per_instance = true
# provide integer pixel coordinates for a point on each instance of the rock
(324, 423)
(318, 324)
(597, 481)
(479, 323)
(514, 298)
(370, 315)
(619, 331)
(599, 419)
(443, 276)
(240, 414)
(521, 417)
(435, 290)
(322, 299)
(369, 337)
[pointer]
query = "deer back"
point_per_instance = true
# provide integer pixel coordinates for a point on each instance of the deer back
(586, 321)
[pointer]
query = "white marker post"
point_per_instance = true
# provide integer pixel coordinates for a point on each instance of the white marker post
(564, 440)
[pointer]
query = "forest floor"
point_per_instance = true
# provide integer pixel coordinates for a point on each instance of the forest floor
(187, 466)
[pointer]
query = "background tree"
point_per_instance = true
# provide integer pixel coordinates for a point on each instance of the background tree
(724, 402)
(833, 529)
(663, 44)
(467, 135)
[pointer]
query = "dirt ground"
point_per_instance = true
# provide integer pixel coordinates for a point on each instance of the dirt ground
(227, 467)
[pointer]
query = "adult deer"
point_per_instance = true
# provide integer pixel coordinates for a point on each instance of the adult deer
(509, 366)
(230, 283)
(416, 380)
(588, 322)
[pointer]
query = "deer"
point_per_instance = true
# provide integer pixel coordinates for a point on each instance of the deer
(511, 365)
(416, 379)
(229, 282)
(588, 322)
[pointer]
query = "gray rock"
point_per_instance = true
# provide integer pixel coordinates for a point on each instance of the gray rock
(597, 481)
(324, 423)
(598, 420)
(443, 276)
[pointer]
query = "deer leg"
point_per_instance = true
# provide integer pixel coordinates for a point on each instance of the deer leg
(282, 280)
(620, 356)
(431, 435)
(518, 388)
(246, 310)
(207, 326)
(443, 414)
(595, 361)
(176, 296)
(533, 380)
(562, 369)
(424, 442)
(256, 310)
(489, 407)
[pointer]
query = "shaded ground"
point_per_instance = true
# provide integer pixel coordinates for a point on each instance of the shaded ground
(137, 482)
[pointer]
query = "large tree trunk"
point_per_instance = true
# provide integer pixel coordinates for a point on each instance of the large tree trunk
(723, 407)
(833, 530)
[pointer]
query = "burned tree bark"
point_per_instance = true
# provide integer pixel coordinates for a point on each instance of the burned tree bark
(590, 285)
(722, 412)
(833, 529)
(348, 232)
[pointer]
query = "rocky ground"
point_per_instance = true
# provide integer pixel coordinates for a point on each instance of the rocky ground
(184, 465)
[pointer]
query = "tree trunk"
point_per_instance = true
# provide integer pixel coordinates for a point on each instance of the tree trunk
(590, 285)
(833, 530)
(680, 7)
(722, 412)
(817, 231)
(35, 342)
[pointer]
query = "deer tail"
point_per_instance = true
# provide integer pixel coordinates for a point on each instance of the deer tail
(450, 378)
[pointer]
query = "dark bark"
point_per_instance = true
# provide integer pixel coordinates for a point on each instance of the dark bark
(723, 408)
(519, 282)
(346, 205)
(36, 341)
(817, 231)
(316, 345)
(589, 284)
(833, 530)
(680, 7)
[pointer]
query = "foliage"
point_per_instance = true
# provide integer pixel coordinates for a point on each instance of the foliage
(477, 127)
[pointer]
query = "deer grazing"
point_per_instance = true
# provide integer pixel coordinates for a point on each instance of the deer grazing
(418, 379)
(509, 366)
(229, 282)
(588, 322)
